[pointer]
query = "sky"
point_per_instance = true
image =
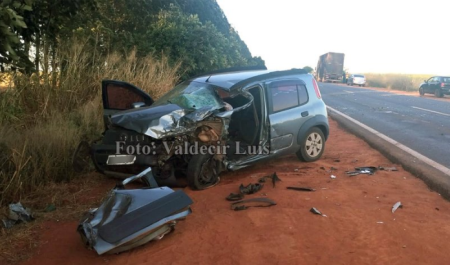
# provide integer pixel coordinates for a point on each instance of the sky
(376, 36)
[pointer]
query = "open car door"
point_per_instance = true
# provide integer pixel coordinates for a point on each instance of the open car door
(118, 96)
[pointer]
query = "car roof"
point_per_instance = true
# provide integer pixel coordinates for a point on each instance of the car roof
(233, 80)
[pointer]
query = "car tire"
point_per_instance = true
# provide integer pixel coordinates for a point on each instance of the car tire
(438, 93)
(312, 145)
(421, 92)
(202, 172)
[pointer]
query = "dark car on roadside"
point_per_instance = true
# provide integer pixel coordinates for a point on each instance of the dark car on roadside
(437, 85)
(240, 117)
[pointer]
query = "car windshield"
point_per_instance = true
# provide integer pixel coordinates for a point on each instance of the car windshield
(359, 76)
(446, 79)
(192, 95)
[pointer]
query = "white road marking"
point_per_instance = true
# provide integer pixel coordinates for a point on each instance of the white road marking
(437, 112)
(419, 156)
(347, 92)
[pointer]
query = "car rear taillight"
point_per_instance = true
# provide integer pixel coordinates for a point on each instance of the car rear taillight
(316, 88)
(442, 84)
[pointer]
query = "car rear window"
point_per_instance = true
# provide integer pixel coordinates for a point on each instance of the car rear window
(359, 76)
(446, 79)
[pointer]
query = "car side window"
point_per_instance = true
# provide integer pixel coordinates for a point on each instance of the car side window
(287, 95)
(303, 94)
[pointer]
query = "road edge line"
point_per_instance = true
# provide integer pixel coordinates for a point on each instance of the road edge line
(435, 175)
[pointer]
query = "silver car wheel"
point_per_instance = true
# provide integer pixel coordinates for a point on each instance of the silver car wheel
(314, 144)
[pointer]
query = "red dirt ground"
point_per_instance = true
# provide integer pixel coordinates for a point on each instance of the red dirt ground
(288, 233)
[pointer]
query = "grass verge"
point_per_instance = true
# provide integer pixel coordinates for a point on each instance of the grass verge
(404, 82)
(44, 116)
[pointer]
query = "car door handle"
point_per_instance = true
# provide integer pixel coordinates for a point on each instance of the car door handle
(305, 113)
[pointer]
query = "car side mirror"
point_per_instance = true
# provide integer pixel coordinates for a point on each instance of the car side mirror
(137, 105)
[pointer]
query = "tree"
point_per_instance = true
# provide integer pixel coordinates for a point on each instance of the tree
(308, 69)
(12, 32)
(201, 46)
(53, 20)
(194, 31)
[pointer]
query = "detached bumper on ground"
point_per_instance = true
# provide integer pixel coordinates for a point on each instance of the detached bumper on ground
(130, 218)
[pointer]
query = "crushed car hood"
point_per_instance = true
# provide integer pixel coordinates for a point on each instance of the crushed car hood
(161, 121)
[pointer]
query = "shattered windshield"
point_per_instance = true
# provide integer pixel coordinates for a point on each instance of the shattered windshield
(192, 95)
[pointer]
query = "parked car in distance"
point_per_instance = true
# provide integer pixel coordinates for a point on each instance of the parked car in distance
(356, 80)
(437, 85)
(256, 115)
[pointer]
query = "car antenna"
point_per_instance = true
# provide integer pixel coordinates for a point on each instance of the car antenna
(208, 79)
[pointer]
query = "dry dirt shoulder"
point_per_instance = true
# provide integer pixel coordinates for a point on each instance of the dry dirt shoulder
(360, 227)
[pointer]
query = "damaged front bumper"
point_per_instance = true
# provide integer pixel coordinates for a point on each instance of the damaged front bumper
(130, 218)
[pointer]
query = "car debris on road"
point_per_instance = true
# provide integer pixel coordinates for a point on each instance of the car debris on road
(17, 214)
(250, 188)
(315, 211)
(388, 168)
(362, 170)
(396, 206)
(274, 178)
(235, 197)
(253, 202)
(300, 188)
(330, 170)
(128, 218)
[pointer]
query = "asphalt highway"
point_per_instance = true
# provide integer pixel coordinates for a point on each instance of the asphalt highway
(420, 123)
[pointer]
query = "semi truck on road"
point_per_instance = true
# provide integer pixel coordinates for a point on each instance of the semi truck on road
(330, 67)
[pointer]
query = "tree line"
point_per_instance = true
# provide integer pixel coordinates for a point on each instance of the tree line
(195, 32)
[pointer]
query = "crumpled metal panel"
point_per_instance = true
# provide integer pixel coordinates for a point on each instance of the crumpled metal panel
(118, 204)
(161, 121)
(17, 213)
(129, 218)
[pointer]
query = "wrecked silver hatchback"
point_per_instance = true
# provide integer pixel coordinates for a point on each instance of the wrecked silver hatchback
(209, 124)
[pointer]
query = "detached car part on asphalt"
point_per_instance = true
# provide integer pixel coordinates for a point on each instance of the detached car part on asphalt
(130, 218)
(240, 117)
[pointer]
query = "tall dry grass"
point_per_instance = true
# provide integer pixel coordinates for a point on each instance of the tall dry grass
(405, 82)
(43, 117)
